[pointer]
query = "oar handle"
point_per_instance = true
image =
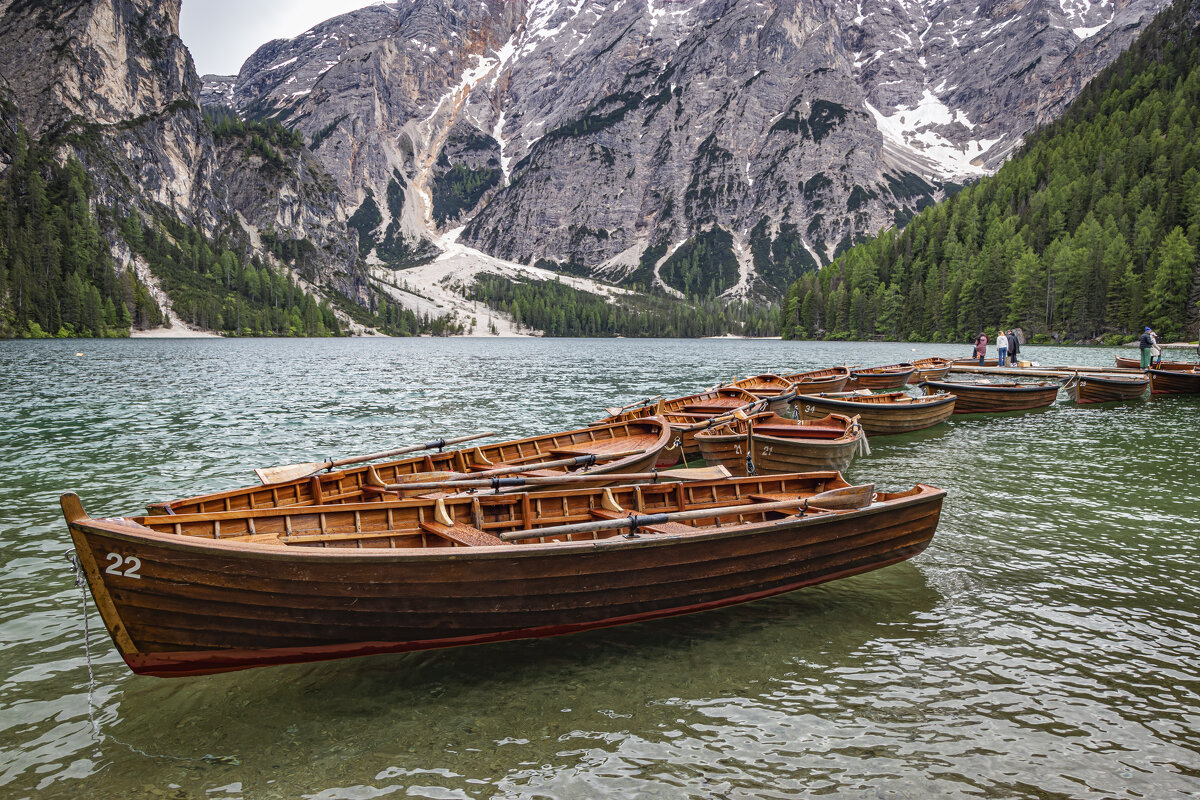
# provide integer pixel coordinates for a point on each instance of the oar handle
(635, 521)
(438, 443)
(575, 461)
(499, 483)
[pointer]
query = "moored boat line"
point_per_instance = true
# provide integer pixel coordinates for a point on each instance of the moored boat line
(419, 552)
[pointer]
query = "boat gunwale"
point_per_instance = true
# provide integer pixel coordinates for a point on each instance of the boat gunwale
(107, 527)
(663, 440)
(925, 401)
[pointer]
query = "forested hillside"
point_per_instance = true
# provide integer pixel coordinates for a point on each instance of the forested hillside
(560, 310)
(58, 277)
(1089, 232)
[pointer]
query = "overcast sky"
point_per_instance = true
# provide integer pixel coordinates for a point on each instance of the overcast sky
(223, 33)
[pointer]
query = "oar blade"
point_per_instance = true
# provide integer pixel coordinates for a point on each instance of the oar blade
(289, 472)
(696, 473)
(846, 497)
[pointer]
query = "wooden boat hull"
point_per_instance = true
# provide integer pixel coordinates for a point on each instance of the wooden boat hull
(879, 378)
(882, 414)
(686, 415)
(644, 438)
(1174, 381)
(977, 398)
(930, 369)
(821, 380)
(777, 391)
(728, 445)
(1169, 366)
(1084, 389)
(189, 605)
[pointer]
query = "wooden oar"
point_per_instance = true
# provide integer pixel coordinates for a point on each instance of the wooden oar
(634, 521)
(498, 483)
(291, 472)
(612, 411)
(443, 477)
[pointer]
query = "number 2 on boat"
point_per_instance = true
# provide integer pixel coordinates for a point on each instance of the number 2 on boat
(132, 565)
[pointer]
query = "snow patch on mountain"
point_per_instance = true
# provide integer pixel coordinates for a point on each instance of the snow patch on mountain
(916, 127)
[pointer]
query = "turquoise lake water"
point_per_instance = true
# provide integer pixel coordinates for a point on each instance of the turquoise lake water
(1046, 645)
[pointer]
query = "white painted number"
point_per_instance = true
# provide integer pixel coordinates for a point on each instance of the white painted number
(767, 450)
(132, 565)
(809, 409)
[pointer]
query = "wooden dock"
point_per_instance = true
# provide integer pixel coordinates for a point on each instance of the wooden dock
(1042, 371)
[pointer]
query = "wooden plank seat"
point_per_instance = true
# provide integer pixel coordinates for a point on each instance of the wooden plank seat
(462, 534)
(801, 431)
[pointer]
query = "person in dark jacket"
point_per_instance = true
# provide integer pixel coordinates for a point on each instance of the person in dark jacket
(1146, 342)
(1014, 347)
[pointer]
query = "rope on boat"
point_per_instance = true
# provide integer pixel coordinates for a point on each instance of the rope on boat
(682, 453)
(81, 585)
(864, 447)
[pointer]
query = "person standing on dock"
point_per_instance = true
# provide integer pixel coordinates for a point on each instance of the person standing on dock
(1145, 342)
(1001, 348)
(1014, 346)
(981, 347)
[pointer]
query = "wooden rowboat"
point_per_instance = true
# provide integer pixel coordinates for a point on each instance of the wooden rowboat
(630, 446)
(892, 376)
(778, 444)
(777, 391)
(1088, 388)
(1169, 366)
(930, 369)
(819, 380)
(982, 397)
(202, 593)
(686, 415)
(1174, 381)
(880, 414)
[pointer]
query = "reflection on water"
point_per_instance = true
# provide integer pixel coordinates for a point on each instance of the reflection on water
(1045, 645)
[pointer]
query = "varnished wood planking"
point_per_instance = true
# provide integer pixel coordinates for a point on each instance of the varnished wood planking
(984, 398)
(195, 595)
(881, 414)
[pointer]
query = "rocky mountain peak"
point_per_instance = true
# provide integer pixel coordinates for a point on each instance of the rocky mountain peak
(606, 134)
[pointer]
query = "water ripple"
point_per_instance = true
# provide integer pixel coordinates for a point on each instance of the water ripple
(1045, 645)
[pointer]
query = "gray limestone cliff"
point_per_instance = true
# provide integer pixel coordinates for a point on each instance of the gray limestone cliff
(110, 83)
(606, 135)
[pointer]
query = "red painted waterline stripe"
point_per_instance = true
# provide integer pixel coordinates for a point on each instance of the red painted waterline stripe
(184, 664)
